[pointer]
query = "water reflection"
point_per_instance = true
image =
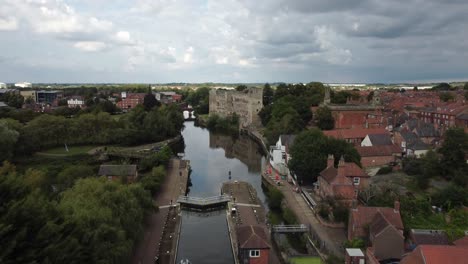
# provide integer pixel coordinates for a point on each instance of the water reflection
(241, 148)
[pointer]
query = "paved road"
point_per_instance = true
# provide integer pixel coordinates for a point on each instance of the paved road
(172, 187)
(333, 238)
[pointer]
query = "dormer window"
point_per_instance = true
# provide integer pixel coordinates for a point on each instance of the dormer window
(356, 180)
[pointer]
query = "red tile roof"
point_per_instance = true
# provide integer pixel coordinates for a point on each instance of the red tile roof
(339, 175)
(382, 150)
(437, 254)
(363, 215)
(461, 242)
(354, 133)
(252, 237)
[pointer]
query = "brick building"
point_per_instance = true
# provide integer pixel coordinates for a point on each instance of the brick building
(130, 100)
(253, 245)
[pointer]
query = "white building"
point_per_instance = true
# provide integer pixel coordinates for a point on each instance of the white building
(3, 85)
(76, 101)
(279, 155)
(23, 85)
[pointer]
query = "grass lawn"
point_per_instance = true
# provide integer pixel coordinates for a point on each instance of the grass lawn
(72, 150)
(306, 260)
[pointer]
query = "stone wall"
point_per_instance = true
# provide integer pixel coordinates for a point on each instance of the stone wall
(246, 104)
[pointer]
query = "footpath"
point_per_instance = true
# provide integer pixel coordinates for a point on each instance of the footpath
(149, 247)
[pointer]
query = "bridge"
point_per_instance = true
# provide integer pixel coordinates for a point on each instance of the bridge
(289, 229)
(203, 203)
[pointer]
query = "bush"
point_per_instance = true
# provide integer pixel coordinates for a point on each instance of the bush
(384, 170)
(275, 198)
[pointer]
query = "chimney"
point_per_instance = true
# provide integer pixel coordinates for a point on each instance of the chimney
(342, 162)
(396, 206)
(330, 161)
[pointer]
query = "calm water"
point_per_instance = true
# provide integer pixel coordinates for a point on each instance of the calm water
(204, 237)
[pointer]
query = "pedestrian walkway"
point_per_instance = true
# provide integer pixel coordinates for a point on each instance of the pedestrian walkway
(175, 184)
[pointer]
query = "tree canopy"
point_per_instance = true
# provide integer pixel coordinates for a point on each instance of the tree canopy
(324, 118)
(310, 150)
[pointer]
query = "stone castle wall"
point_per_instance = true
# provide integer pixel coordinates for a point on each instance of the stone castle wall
(246, 104)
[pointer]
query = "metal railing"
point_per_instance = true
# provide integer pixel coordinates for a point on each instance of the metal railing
(204, 201)
(289, 229)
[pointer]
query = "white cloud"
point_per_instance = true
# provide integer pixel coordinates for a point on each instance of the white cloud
(188, 56)
(90, 46)
(8, 24)
(123, 37)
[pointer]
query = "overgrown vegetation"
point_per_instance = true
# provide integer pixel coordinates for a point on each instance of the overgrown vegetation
(228, 124)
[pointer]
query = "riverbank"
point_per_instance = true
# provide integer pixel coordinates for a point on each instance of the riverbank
(150, 247)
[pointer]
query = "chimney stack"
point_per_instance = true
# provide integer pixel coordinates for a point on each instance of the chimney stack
(342, 162)
(396, 206)
(330, 161)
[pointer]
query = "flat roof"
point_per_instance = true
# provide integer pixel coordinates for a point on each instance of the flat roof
(354, 252)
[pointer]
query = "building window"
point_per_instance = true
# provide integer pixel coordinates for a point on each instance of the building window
(356, 180)
(254, 253)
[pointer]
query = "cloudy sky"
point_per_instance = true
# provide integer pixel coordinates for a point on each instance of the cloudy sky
(159, 41)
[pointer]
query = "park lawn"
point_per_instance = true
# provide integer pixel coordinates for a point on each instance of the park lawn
(306, 260)
(72, 150)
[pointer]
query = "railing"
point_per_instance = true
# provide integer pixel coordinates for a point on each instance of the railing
(289, 229)
(204, 201)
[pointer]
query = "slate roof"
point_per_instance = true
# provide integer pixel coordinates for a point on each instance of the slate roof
(429, 237)
(462, 117)
(252, 237)
(380, 139)
(117, 170)
(426, 130)
(418, 145)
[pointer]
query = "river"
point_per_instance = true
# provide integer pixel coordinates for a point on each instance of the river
(204, 236)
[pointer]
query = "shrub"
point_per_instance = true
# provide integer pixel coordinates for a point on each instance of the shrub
(384, 170)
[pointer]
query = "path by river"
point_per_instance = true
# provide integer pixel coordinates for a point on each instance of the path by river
(204, 237)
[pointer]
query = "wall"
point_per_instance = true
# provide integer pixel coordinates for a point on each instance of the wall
(376, 161)
(263, 259)
(245, 104)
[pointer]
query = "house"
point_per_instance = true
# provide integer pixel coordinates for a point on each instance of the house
(410, 143)
(126, 173)
(168, 97)
(342, 182)
(354, 256)
(383, 233)
(3, 85)
(76, 101)
(361, 217)
(436, 254)
(130, 100)
(382, 227)
(354, 136)
(279, 154)
(427, 237)
(253, 247)
(377, 156)
(376, 140)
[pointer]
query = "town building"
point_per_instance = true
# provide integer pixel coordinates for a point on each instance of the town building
(246, 104)
(76, 101)
(378, 156)
(435, 254)
(48, 97)
(343, 182)
(280, 155)
(356, 115)
(419, 237)
(168, 97)
(28, 94)
(382, 227)
(3, 85)
(354, 136)
(253, 245)
(125, 173)
(130, 100)
(377, 140)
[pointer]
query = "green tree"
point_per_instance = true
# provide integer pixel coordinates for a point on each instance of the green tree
(465, 87)
(324, 118)
(8, 139)
(453, 151)
(241, 88)
(268, 94)
(446, 96)
(149, 101)
(67, 177)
